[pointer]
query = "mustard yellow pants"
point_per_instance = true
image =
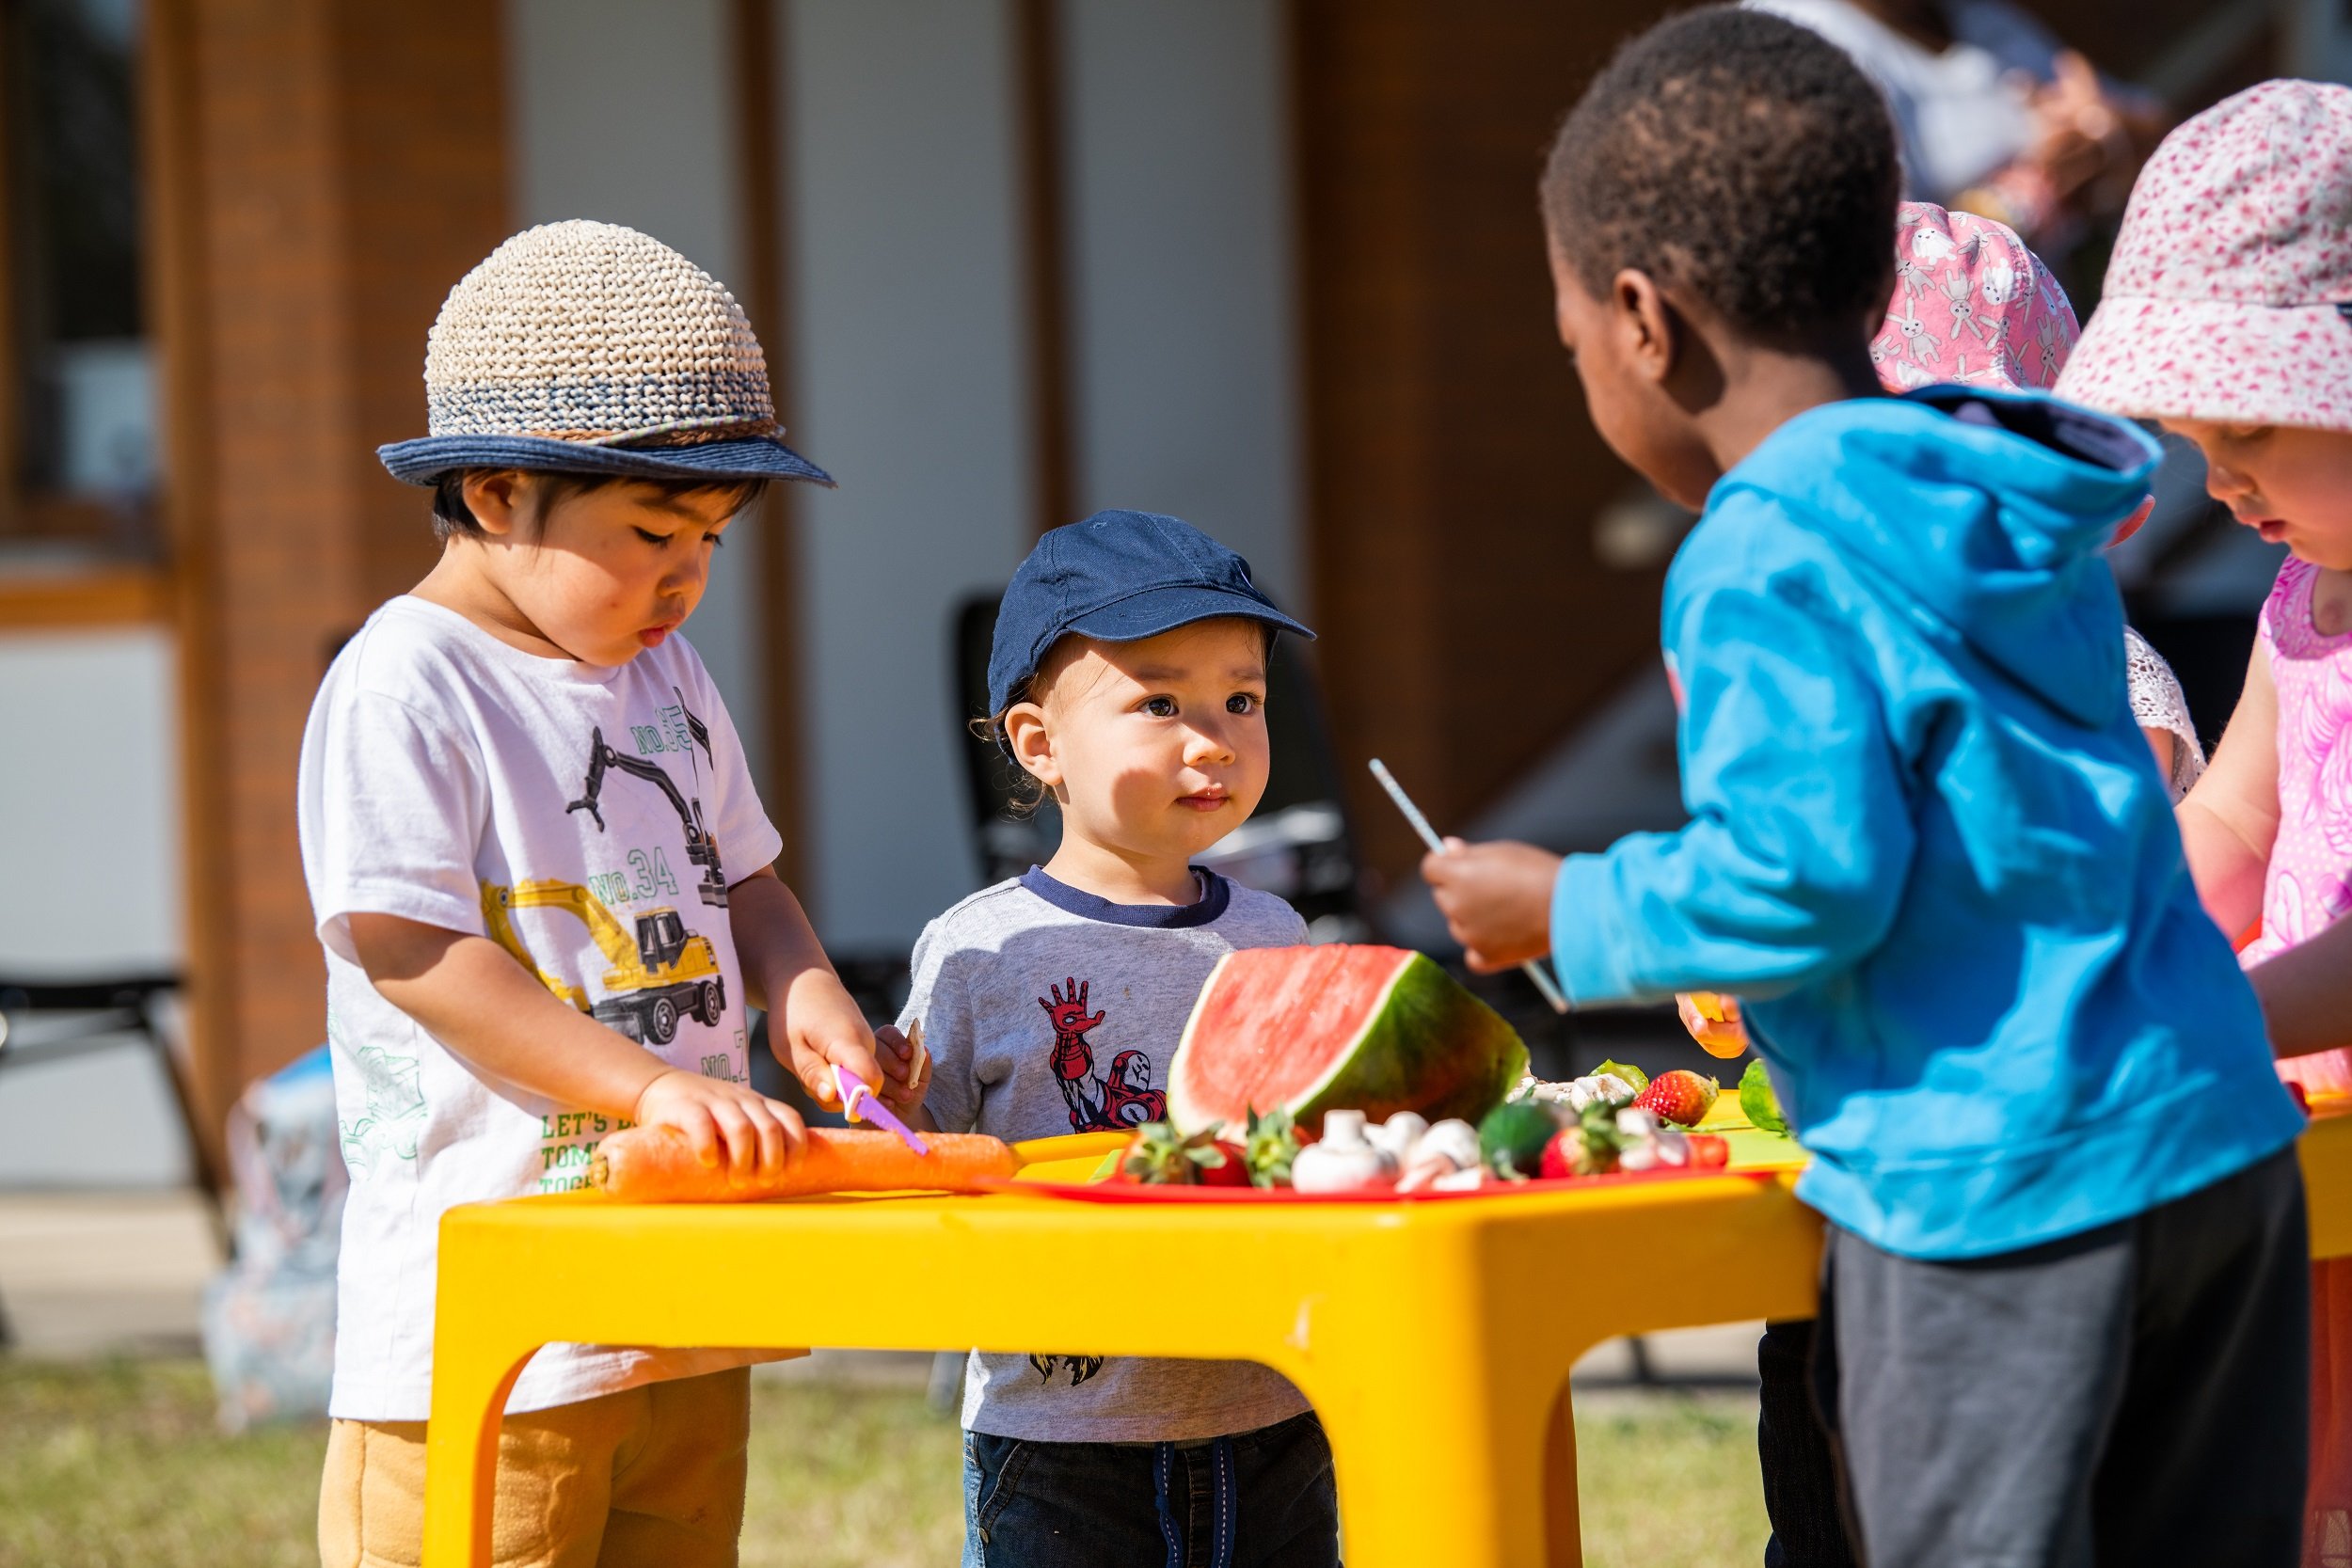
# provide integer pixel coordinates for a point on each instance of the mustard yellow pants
(649, 1476)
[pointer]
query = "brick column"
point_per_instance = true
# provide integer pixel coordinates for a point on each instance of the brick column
(323, 173)
(1452, 477)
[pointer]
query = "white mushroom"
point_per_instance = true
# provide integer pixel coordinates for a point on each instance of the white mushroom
(1454, 1139)
(1345, 1161)
(1424, 1173)
(1634, 1122)
(1399, 1136)
(1613, 1089)
(1543, 1093)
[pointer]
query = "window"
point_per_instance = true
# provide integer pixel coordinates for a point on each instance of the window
(79, 441)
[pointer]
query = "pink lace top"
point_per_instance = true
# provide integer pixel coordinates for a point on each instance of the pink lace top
(2308, 884)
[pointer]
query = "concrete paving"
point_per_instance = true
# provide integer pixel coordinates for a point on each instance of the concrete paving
(88, 1273)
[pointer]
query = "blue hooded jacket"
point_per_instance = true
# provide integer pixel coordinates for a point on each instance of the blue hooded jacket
(1930, 851)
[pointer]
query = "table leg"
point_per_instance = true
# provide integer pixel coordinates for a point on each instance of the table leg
(461, 1454)
(1438, 1464)
(473, 1372)
(1563, 1524)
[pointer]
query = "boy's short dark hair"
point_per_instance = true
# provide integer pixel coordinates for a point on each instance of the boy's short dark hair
(1740, 157)
(452, 519)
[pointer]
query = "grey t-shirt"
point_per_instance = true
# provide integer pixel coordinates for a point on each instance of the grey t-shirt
(1046, 1011)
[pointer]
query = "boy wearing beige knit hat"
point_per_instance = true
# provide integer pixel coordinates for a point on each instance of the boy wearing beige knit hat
(542, 880)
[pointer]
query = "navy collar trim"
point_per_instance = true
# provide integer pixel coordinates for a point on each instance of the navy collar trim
(1215, 895)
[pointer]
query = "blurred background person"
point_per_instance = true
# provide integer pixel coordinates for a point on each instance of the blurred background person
(1995, 115)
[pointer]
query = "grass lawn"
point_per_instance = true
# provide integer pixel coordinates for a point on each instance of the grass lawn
(119, 1463)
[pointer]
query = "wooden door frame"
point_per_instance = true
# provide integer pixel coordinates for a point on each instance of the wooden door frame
(103, 592)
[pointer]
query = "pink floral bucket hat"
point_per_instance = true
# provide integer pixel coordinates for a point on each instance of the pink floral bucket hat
(2226, 295)
(1971, 304)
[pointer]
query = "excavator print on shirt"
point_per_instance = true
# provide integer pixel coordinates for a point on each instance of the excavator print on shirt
(659, 973)
(701, 849)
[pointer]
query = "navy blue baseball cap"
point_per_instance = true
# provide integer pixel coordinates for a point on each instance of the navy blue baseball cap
(1119, 576)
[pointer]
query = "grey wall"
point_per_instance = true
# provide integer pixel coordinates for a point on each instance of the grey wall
(90, 834)
(91, 837)
(912, 374)
(911, 385)
(1179, 213)
(621, 110)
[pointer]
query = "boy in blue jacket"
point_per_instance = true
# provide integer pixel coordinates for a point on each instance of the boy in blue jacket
(2063, 1300)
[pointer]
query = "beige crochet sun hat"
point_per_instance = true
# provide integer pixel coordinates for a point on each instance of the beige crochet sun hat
(583, 347)
(2227, 294)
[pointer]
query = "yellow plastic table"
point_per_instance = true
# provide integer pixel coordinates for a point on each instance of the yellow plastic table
(1433, 1338)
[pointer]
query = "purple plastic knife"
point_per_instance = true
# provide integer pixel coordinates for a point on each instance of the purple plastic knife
(859, 1103)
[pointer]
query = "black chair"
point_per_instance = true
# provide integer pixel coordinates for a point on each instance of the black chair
(1297, 846)
(105, 1015)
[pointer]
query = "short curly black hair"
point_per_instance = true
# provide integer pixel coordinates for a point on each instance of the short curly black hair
(1740, 157)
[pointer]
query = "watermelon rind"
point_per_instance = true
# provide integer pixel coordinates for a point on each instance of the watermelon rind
(1426, 1045)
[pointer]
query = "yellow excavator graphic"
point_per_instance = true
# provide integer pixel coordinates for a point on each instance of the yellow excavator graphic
(662, 972)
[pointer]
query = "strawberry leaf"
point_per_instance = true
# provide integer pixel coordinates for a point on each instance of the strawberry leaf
(1268, 1147)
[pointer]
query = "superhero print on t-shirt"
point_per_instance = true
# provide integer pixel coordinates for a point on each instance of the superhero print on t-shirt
(1114, 1100)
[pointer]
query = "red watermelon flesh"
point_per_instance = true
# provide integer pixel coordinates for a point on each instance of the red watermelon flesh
(1312, 1029)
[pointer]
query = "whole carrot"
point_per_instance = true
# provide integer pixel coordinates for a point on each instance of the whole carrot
(657, 1164)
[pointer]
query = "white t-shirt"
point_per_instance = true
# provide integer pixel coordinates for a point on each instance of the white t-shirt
(578, 816)
(1959, 115)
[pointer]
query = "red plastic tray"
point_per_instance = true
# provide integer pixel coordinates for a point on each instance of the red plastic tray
(1134, 1192)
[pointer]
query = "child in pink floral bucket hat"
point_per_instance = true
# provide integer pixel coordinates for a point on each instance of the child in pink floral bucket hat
(2227, 317)
(1973, 305)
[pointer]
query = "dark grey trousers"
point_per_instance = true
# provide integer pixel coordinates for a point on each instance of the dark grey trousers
(2136, 1395)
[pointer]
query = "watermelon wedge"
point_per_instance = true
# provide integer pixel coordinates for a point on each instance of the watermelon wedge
(1311, 1029)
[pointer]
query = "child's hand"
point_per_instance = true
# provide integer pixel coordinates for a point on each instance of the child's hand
(1713, 1021)
(906, 1066)
(820, 1028)
(1495, 899)
(728, 1124)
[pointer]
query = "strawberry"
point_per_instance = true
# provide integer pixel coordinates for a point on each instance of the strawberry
(1710, 1152)
(1232, 1171)
(1560, 1155)
(1159, 1155)
(2302, 1100)
(1271, 1143)
(1682, 1097)
(1588, 1148)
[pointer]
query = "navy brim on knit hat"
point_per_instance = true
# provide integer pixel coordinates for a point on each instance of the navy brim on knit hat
(588, 348)
(424, 460)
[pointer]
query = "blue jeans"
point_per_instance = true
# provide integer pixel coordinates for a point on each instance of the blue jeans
(1259, 1499)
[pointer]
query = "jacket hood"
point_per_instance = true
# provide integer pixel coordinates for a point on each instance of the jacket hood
(1985, 513)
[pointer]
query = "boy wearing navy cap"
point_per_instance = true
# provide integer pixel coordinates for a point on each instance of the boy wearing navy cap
(1128, 679)
(541, 878)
